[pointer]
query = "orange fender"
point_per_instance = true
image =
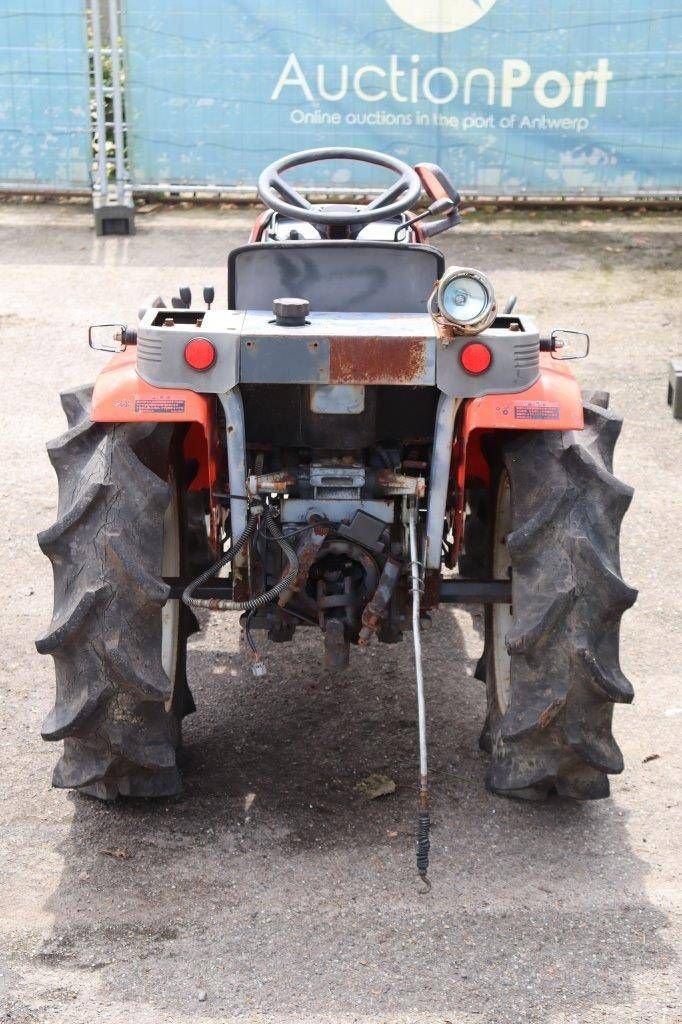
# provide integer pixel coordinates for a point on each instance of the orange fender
(554, 402)
(121, 396)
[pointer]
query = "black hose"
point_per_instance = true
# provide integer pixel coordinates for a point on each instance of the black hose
(208, 574)
(292, 558)
(224, 605)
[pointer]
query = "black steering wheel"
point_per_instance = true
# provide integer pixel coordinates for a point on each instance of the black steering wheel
(282, 197)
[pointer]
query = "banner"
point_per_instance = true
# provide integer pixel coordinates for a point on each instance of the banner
(510, 96)
(45, 133)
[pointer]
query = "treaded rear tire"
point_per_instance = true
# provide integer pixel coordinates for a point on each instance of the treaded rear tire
(568, 597)
(115, 707)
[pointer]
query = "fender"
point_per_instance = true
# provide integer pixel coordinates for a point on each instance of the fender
(554, 402)
(121, 396)
(259, 226)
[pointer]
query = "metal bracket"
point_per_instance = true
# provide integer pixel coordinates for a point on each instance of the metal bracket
(336, 481)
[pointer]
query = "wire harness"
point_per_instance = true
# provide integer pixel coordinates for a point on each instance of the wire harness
(256, 511)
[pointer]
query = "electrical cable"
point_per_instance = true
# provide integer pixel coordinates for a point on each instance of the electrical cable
(225, 605)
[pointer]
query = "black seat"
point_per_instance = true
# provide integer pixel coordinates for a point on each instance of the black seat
(335, 276)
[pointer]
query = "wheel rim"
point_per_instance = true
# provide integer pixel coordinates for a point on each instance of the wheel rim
(170, 566)
(502, 615)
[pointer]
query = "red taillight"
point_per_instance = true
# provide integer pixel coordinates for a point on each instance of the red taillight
(475, 357)
(200, 354)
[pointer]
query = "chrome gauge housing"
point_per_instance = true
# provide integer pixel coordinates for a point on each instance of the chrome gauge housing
(466, 299)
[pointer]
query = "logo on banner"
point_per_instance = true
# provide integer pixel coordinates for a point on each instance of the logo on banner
(440, 15)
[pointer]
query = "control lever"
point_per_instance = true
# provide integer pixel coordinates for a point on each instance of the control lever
(437, 185)
(209, 295)
(444, 205)
(185, 295)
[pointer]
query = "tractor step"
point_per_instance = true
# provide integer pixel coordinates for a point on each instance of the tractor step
(675, 387)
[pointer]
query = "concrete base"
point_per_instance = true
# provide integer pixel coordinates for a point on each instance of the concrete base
(675, 387)
(114, 219)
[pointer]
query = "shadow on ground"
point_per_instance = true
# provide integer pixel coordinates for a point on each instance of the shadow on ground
(275, 888)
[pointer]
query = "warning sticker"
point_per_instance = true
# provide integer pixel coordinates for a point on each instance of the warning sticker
(162, 404)
(536, 411)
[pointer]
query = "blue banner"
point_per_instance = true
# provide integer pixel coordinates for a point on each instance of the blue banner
(45, 135)
(510, 96)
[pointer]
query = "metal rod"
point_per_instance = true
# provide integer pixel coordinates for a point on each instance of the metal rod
(454, 591)
(652, 199)
(99, 99)
(117, 102)
(416, 581)
(439, 477)
(423, 843)
(233, 406)
(241, 195)
(10, 189)
(218, 588)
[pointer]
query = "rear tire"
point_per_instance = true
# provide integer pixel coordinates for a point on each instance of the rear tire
(118, 644)
(552, 669)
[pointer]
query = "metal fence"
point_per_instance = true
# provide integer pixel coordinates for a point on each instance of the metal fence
(513, 97)
(45, 124)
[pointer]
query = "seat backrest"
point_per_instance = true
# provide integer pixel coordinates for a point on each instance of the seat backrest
(335, 276)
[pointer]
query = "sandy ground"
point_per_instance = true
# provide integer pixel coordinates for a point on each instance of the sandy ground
(273, 892)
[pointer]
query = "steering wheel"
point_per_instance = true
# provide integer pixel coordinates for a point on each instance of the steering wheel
(282, 197)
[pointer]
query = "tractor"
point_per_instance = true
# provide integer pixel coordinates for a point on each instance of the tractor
(361, 436)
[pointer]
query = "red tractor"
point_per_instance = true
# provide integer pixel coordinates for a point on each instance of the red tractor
(358, 419)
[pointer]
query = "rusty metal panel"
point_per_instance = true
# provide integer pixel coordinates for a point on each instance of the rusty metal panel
(375, 360)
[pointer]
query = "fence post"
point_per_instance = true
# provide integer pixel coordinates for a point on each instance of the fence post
(113, 205)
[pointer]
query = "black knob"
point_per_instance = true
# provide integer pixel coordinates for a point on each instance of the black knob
(291, 312)
(185, 295)
(209, 295)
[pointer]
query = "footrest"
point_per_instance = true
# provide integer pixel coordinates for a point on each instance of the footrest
(675, 387)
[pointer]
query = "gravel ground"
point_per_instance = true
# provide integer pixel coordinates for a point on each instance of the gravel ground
(273, 891)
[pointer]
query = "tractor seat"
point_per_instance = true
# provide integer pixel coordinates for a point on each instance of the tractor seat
(335, 276)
